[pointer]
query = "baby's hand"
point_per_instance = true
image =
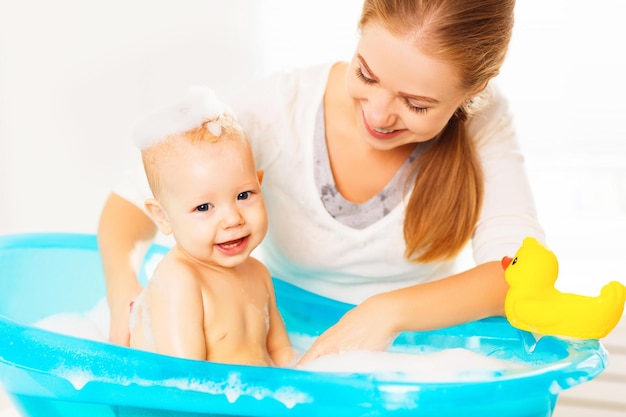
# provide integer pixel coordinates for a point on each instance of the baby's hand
(365, 327)
(285, 357)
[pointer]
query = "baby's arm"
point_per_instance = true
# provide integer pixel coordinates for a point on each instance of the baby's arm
(278, 343)
(176, 311)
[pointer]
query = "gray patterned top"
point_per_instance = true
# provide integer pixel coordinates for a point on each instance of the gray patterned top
(355, 215)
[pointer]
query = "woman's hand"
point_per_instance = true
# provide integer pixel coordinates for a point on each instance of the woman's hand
(119, 306)
(368, 326)
(467, 296)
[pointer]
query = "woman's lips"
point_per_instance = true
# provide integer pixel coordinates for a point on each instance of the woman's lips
(380, 135)
(233, 247)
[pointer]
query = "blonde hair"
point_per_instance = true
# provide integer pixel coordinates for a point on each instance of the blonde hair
(473, 36)
(155, 155)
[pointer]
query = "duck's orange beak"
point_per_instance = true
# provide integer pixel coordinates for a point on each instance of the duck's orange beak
(506, 261)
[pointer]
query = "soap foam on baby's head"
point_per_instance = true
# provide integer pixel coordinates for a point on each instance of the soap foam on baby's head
(168, 134)
(197, 107)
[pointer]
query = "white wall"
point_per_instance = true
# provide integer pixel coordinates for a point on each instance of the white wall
(75, 74)
(73, 77)
(565, 81)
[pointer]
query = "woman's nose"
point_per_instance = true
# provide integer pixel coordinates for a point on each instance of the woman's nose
(379, 111)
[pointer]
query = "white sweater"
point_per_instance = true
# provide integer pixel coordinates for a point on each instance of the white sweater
(306, 246)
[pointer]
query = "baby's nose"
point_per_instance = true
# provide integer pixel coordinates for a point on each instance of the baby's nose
(232, 217)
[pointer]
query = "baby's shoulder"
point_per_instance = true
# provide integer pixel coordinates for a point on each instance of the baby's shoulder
(258, 267)
(171, 272)
(258, 270)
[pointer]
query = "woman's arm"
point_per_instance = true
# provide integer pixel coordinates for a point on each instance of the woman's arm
(374, 324)
(122, 230)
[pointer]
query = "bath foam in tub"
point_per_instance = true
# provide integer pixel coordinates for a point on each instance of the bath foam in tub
(92, 325)
(448, 365)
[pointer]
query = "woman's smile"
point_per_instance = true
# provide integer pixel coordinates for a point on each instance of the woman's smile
(379, 132)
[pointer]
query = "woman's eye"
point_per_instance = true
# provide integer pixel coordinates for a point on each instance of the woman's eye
(363, 76)
(204, 207)
(244, 196)
(413, 107)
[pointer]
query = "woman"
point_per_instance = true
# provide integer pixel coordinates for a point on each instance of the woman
(377, 174)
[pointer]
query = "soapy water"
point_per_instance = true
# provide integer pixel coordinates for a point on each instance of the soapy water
(447, 365)
(92, 325)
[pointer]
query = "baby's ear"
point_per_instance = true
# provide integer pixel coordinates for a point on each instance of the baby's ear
(259, 174)
(158, 215)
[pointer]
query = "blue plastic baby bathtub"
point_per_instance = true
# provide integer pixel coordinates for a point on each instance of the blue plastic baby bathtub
(49, 374)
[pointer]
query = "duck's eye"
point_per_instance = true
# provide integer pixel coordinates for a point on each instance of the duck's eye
(514, 261)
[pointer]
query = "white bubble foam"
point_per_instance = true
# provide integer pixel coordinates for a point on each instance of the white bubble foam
(199, 105)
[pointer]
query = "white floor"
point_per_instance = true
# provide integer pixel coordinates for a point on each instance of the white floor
(604, 396)
(6, 408)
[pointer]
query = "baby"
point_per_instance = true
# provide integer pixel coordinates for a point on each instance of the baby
(208, 299)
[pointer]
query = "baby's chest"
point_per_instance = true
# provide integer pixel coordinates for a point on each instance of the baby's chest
(238, 321)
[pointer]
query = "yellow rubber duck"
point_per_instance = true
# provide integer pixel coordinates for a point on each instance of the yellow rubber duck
(533, 304)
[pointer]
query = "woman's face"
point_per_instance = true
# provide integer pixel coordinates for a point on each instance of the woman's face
(401, 95)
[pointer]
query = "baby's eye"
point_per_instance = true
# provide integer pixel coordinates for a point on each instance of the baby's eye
(244, 196)
(204, 207)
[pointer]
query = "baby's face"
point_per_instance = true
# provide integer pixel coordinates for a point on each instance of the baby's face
(212, 198)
